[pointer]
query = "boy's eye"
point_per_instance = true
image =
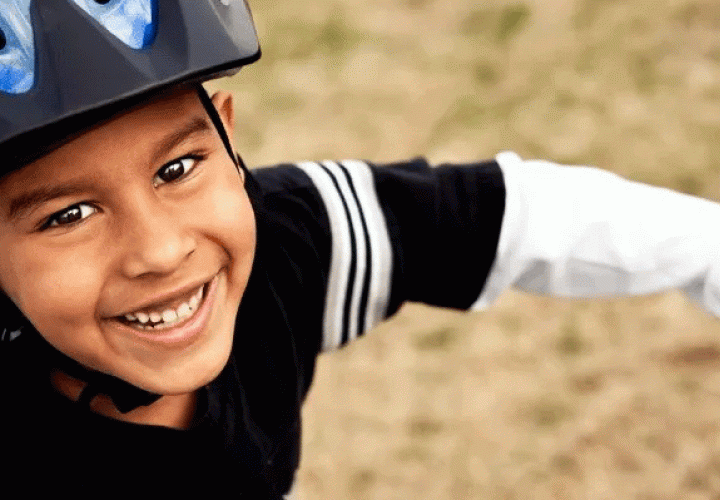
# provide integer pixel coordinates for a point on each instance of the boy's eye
(70, 215)
(174, 171)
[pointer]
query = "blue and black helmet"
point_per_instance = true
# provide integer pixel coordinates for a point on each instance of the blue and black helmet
(62, 59)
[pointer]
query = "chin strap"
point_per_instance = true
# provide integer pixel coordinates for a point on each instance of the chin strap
(217, 121)
(46, 358)
(125, 396)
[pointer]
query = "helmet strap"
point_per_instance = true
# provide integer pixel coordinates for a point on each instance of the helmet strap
(212, 112)
(125, 396)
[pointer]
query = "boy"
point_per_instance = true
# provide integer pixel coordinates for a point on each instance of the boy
(165, 307)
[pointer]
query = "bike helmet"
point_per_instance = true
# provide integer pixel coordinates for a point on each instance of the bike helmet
(65, 65)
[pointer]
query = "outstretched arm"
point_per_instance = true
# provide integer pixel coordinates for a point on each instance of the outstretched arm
(584, 232)
(459, 235)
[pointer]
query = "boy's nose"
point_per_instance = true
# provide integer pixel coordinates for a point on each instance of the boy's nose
(158, 245)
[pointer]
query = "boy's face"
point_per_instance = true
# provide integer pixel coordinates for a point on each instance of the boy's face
(128, 223)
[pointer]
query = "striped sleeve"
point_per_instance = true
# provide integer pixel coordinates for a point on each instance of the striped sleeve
(458, 236)
(358, 240)
(403, 232)
(359, 278)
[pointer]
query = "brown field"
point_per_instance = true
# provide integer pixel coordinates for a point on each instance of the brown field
(536, 398)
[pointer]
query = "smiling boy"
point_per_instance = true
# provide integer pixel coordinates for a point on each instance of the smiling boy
(167, 222)
(164, 307)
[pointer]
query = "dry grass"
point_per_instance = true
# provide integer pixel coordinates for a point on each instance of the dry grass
(537, 398)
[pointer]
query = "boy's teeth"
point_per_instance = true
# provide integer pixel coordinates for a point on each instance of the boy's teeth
(195, 300)
(167, 316)
(184, 310)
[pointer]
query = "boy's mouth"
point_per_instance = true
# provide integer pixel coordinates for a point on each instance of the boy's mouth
(176, 321)
(166, 315)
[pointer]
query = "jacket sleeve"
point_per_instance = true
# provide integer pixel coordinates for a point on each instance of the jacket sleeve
(459, 235)
(404, 232)
(583, 232)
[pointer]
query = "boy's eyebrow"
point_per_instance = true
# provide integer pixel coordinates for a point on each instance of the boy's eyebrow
(196, 125)
(22, 204)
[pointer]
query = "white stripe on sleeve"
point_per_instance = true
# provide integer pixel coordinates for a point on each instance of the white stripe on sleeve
(361, 261)
(340, 258)
(379, 293)
(361, 248)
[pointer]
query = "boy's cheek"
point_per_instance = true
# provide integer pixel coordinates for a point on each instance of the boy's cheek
(231, 216)
(68, 299)
(50, 288)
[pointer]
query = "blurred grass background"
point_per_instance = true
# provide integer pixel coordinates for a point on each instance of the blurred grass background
(537, 398)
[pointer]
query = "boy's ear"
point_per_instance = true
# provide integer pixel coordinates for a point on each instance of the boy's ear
(223, 102)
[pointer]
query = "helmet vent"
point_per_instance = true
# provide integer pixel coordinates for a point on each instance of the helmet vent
(134, 22)
(17, 48)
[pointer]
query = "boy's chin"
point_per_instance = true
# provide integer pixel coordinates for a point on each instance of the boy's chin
(178, 374)
(183, 379)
